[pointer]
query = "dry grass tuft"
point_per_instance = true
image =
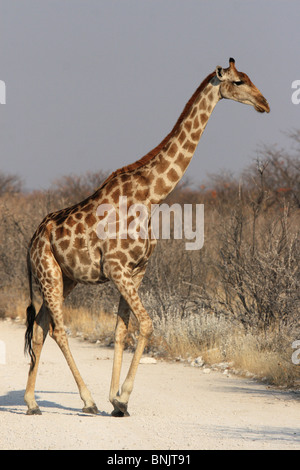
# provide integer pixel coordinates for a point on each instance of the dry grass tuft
(93, 327)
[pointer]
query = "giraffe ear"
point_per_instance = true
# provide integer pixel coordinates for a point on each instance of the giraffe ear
(220, 73)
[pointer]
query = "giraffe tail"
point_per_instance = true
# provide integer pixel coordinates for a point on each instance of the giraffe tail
(30, 316)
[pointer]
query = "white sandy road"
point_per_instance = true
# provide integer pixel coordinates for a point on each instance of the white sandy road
(173, 406)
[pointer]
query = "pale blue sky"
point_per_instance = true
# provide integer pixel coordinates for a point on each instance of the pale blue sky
(95, 84)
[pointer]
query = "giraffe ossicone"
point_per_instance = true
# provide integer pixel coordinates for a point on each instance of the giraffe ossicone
(66, 250)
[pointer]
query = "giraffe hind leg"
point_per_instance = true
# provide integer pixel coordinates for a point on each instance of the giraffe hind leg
(39, 332)
(54, 290)
(54, 299)
(59, 335)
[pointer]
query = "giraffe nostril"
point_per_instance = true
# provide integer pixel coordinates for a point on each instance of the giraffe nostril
(267, 107)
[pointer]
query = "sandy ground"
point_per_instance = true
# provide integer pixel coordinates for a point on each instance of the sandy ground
(173, 405)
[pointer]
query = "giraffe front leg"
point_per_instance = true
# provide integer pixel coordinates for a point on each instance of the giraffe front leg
(130, 301)
(120, 401)
(120, 334)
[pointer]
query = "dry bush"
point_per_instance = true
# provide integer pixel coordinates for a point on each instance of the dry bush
(75, 188)
(10, 184)
(257, 269)
(20, 216)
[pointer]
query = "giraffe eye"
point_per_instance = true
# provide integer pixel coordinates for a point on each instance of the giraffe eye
(238, 83)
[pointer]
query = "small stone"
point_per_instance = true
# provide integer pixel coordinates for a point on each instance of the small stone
(199, 361)
(222, 365)
(249, 375)
(148, 360)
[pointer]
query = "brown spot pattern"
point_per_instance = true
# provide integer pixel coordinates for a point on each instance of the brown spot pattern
(172, 150)
(160, 187)
(182, 161)
(173, 175)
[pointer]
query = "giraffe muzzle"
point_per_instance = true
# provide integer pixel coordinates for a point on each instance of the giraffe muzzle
(262, 106)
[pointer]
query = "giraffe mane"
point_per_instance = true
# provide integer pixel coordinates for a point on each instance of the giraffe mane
(150, 155)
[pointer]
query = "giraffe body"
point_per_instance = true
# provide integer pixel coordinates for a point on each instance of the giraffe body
(66, 250)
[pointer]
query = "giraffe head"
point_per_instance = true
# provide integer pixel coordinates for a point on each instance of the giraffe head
(237, 86)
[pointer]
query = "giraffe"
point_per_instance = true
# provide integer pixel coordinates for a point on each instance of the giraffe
(65, 249)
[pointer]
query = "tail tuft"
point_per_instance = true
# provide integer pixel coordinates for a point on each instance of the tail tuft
(31, 314)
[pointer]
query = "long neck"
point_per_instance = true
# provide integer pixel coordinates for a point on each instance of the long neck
(168, 162)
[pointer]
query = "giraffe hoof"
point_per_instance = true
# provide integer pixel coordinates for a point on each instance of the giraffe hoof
(120, 409)
(93, 410)
(33, 411)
